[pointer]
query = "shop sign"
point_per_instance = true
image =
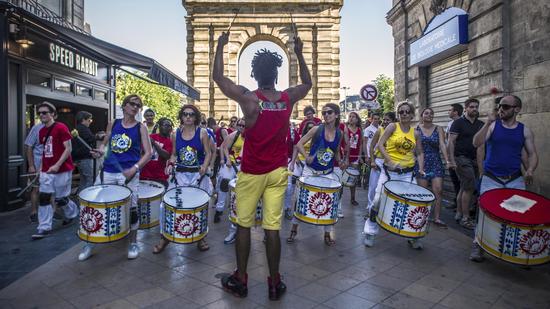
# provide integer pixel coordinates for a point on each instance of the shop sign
(66, 57)
(441, 42)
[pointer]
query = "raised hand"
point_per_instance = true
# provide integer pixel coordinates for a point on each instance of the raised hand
(298, 45)
(223, 39)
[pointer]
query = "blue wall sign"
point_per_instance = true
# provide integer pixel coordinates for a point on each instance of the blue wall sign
(441, 42)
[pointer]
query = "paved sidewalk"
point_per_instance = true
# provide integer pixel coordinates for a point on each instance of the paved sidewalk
(347, 275)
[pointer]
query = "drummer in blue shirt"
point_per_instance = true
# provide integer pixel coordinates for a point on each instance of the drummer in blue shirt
(129, 149)
(323, 157)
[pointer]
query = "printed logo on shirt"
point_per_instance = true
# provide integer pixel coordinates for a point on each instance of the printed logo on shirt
(188, 156)
(48, 148)
(270, 106)
(353, 141)
(120, 143)
(324, 156)
(404, 145)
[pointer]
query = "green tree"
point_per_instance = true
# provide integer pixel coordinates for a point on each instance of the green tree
(386, 96)
(164, 101)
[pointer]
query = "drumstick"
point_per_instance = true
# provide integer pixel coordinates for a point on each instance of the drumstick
(27, 175)
(74, 133)
(293, 25)
(236, 11)
(28, 185)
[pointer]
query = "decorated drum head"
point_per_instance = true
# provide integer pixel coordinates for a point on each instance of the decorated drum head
(409, 191)
(186, 197)
(516, 206)
(104, 194)
(320, 182)
(149, 189)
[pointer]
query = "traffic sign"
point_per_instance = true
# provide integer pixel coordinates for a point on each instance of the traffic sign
(369, 92)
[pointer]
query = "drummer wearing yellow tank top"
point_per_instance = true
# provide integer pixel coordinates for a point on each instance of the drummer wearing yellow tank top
(397, 146)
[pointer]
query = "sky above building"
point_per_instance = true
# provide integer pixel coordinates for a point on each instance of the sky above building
(157, 29)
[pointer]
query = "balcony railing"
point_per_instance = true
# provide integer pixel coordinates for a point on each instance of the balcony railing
(39, 10)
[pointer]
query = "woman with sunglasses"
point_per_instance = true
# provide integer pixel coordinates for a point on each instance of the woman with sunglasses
(190, 159)
(322, 157)
(433, 144)
(398, 146)
(353, 131)
(128, 150)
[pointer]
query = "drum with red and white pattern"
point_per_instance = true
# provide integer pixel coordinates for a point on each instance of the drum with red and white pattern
(184, 214)
(405, 208)
(104, 213)
(514, 225)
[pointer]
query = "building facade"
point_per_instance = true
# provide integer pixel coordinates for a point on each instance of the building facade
(447, 51)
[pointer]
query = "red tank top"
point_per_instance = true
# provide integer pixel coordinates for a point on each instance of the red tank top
(265, 148)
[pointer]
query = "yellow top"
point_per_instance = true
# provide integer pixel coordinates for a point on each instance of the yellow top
(377, 153)
(237, 148)
(150, 128)
(307, 147)
(400, 146)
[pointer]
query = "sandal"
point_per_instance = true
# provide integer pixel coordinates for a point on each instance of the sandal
(161, 246)
(290, 239)
(202, 245)
(440, 223)
(354, 203)
(328, 240)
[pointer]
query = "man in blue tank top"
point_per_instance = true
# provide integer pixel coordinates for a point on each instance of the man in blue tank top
(128, 150)
(506, 141)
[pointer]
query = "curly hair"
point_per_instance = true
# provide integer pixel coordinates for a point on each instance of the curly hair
(264, 67)
(195, 111)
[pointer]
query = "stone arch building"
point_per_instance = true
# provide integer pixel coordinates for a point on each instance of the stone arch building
(317, 23)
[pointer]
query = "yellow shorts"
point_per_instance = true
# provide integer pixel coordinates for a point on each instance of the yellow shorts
(271, 188)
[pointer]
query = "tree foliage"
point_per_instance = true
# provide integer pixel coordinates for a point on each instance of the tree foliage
(164, 101)
(386, 96)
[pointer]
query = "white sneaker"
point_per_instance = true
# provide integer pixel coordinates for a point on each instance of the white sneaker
(369, 240)
(415, 244)
(230, 238)
(458, 217)
(133, 251)
(86, 252)
(340, 214)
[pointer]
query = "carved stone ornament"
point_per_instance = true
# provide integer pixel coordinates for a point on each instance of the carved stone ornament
(438, 6)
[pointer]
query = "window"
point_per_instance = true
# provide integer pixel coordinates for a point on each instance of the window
(62, 85)
(83, 91)
(100, 95)
(39, 79)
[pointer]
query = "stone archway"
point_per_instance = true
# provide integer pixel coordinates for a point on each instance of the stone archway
(317, 23)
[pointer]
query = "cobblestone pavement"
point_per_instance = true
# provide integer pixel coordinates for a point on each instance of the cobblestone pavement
(347, 275)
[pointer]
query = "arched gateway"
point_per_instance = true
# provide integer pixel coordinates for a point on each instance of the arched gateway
(317, 23)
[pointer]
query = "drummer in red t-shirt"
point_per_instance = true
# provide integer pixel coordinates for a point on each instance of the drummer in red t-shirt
(353, 132)
(56, 172)
(162, 149)
(309, 113)
(265, 157)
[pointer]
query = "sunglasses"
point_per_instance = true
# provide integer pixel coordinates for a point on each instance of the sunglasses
(506, 106)
(43, 113)
(134, 104)
(404, 112)
(327, 112)
(240, 125)
(233, 121)
(185, 114)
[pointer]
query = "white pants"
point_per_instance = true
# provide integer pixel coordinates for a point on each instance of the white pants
(191, 179)
(120, 179)
(373, 181)
(59, 186)
(335, 175)
(225, 172)
(291, 187)
(488, 184)
(370, 227)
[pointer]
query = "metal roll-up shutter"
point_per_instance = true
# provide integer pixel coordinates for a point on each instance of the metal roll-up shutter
(447, 84)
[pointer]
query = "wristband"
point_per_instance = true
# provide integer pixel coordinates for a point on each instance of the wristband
(136, 166)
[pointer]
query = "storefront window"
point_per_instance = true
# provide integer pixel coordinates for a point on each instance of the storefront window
(100, 95)
(62, 85)
(83, 91)
(39, 79)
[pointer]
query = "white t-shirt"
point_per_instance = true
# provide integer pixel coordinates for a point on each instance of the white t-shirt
(369, 134)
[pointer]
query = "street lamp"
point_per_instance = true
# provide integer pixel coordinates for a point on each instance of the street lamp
(345, 99)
